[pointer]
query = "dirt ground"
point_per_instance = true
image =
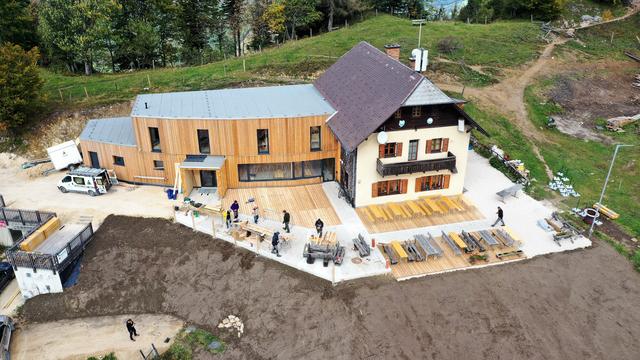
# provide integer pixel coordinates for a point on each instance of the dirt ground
(602, 91)
(106, 334)
(67, 125)
(577, 305)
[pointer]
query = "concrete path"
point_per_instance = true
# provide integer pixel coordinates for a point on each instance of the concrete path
(10, 298)
(81, 338)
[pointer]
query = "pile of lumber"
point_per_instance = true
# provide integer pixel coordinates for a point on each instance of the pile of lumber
(606, 211)
(617, 123)
(328, 238)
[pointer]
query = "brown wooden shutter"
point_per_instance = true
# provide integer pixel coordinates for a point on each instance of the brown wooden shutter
(403, 186)
(446, 181)
(418, 184)
(398, 149)
(428, 146)
(381, 151)
(374, 190)
(445, 145)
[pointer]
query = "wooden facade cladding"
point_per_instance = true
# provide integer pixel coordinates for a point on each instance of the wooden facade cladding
(236, 140)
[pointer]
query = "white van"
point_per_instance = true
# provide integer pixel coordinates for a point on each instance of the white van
(86, 180)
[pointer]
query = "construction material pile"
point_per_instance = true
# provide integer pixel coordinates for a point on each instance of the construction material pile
(232, 323)
(561, 184)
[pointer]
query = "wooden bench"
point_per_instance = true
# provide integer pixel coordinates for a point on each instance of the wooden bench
(368, 214)
(397, 248)
(451, 204)
(451, 244)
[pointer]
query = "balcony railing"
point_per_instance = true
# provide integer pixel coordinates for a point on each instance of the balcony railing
(410, 167)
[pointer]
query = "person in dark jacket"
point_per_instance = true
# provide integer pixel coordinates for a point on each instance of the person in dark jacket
(286, 218)
(319, 226)
(274, 243)
(500, 216)
(235, 207)
(131, 329)
(227, 218)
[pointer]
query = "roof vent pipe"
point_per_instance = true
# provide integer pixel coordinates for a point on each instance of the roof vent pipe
(146, 106)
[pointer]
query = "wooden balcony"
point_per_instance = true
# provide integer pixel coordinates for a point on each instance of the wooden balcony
(410, 167)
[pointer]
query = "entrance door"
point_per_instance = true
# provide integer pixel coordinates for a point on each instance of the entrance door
(208, 179)
(95, 163)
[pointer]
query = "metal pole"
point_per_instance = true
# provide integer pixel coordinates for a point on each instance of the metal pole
(604, 187)
(420, 35)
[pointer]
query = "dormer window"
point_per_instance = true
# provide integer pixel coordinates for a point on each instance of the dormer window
(398, 114)
(416, 111)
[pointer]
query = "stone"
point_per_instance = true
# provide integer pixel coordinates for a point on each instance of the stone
(214, 345)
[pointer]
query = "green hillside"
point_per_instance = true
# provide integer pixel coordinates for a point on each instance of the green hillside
(500, 44)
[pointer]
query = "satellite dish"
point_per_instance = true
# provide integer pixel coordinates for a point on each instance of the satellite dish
(401, 123)
(382, 138)
(430, 121)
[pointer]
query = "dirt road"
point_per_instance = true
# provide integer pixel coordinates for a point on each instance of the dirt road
(93, 336)
(578, 305)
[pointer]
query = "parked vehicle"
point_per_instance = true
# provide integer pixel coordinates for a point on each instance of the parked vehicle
(6, 275)
(6, 328)
(86, 180)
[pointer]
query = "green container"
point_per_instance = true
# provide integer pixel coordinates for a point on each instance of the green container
(196, 213)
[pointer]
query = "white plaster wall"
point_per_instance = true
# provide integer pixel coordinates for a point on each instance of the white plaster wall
(35, 283)
(366, 173)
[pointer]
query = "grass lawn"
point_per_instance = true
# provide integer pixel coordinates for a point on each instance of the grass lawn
(596, 41)
(500, 44)
(189, 342)
(587, 163)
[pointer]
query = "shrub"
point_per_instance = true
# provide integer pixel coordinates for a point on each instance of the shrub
(449, 44)
(635, 259)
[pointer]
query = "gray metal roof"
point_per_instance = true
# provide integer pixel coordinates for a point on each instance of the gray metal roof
(203, 162)
(426, 93)
(118, 131)
(242, 103)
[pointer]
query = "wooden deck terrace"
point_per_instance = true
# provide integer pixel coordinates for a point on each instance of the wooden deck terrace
(449, 261)
(305, 203)
(423, 212)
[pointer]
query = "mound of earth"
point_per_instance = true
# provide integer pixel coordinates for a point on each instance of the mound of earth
(576, 305)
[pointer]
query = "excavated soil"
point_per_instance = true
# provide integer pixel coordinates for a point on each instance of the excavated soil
(575, 305)
(600, 92)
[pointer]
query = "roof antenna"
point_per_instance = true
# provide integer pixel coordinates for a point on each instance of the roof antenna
(146, 106)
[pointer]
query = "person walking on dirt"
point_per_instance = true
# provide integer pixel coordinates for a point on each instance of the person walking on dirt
(500, 215)
(285, 221)
(235, 207)
(131, 329)
(256, 214)
(274, 243)
(227, 218)
(319, 226)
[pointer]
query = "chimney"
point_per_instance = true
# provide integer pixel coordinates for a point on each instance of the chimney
(393, 50)
(412, 63)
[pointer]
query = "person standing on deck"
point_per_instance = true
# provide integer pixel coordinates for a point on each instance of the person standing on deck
(274, 243)
(319, 226)
(235, 207)
(500, 216)
(131, 329)
(227, 218)
(256, 214)
(285, 221)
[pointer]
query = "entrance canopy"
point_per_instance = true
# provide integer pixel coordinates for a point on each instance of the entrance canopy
(202, 162)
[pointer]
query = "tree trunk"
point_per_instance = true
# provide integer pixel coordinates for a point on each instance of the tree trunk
(332, 6)
(87, 67)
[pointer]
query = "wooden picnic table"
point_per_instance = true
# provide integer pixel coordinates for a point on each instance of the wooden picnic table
(458, 240)
(399, 250)
(328, 238)
(261, 231)
(433, 205)
(397, 210)
(414, 208)
(452, 205)
(378, 213)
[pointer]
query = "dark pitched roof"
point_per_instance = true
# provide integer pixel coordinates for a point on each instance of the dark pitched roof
(366, 86)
